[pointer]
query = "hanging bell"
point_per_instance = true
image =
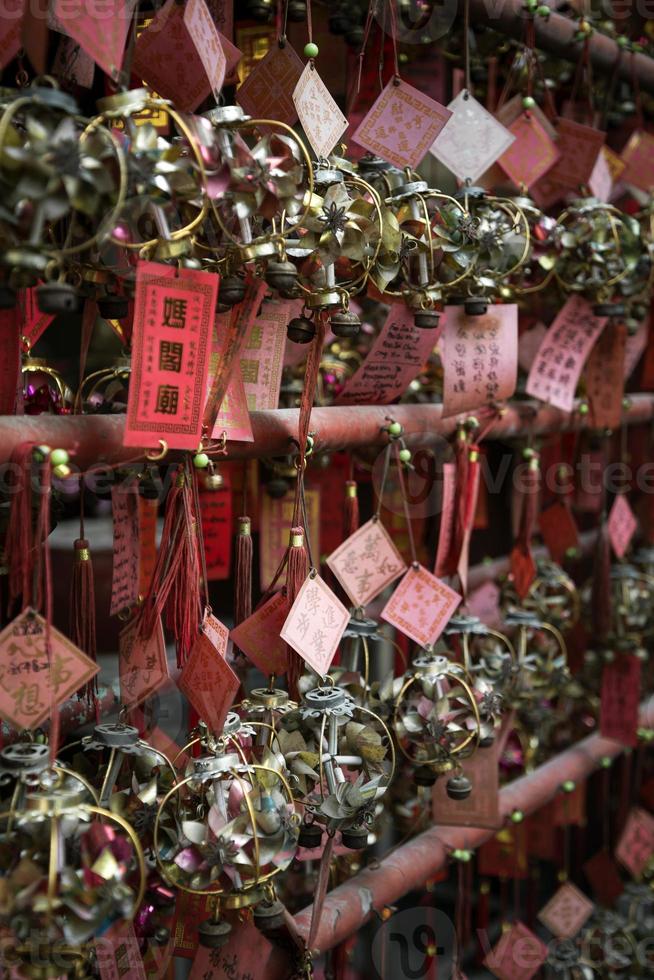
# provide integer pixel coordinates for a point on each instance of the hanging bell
(339, 22)
(426, 319)
(344, 323)
(230, 292)
(458, 787)
(301, 330)
(113, 306)
(7, 297)
(277, 488)
(282, 276)
(356, 838)
(212, 934)
(354, 36)
(296, 11)
(310, 835)
(214, 480)
(475, 306)
(270, 916)
(424, 776)
(609, 309)
(57, 297)
(258, 9)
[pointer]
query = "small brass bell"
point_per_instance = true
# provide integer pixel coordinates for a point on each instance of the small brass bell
(339, 22)
(301, 330)
(424, 776)
(269, 916)
(113, 307)
(214, 480)
(355, 838)
(282, 276)
(475, 307)
(230, 292)
(213, 935)
(310, 835)
(277, 488)
(57, 297)
(354, 36)
(426, 319)
(258, 10)
(296, 11)
(344, 323)
(458, 787)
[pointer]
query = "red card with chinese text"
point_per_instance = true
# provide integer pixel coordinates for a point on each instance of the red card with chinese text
(600, 182)
(638, 157)
(173, 320)
(315, 624)
(206, 39)
(401, 125)
(100, 29)
(259, 638)
(125, 577)
(567, 911)
(367, 562)
(480, 357)
(233, 419)
(216, 631)
(421, 606)
(562, 354)
(267, 92)
(481, 808)
(604, 376)
(621, 525)
(142, 663)
(579, 146)
(30, 684)
(118, 955)
(604, 878)
(518, 955)
(321, 119)
(620, 699)
(532, 153)
(262, 356)
(636, 845)
(216, 521)
(208, 682)
(558, 529)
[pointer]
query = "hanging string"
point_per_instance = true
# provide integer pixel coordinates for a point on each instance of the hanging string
(405, 505)
(466, 45)
(309, 30)
(396, 61)
(44, 529)
(366, 35)
(382, 486)
(584, 78)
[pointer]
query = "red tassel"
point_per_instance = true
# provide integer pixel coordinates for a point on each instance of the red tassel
(81, 611)
(296, 573)
(20, 542)
(243, 571)
(350, 509)
(175, 585)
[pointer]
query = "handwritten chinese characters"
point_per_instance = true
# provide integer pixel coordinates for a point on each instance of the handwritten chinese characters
(208, 681)
(566, 912)
(636, 845)
(142, 663)
(421, 606)
(315, 624)
(173, 319)
(125, 581)
(620, 699)
(322, 120)
(561, 356)
(31, 682)
(480, 356)
(366, 562)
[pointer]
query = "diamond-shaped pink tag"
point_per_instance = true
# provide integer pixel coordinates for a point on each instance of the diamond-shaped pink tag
(518, 955)
(315, 624)
(258, 635)
(322, 120)
(267, 92)
(636, 845)
(421, 606)
(621, 525)
(29, 686)
(367, 562)
(566, 912)
(142, 663)
(207, 680)
(472, 140)
(533, 152)
(401, 125)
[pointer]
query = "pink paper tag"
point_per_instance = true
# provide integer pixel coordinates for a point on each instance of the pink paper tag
(28, 685)
(367, 562)
(262, 356)
(216, 520)
(11, 25)
(561, 356)
(259, 638)
(566, 912)
(518, 954)
(142, 663)
(204, 34)
(528, 343)
(448, 496)
(73, 64)
(638, 155)
(401, 125)
(480, 357)
(600, 182)
(245, 956)
(321, 119)
(636, 845)
(315, 624)
(578, 146)
(118, 954)
(621, 525)
(275, 522)
(605, 377)
(484, 603)
(472, 140)
(421, 606)
(233, 418)
(173, 320)
(125, 578)
(208, 682)
(634, 348)
(532, 154)
(620, 699)
(267, 92)
(396, 357)
(100, 29)
(216, 631)
(481, 808)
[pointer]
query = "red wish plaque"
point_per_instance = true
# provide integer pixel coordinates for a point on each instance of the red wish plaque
(366, 562)
(206, 38)
(125, 580)
(621, 525)
(518, 955)
(100, 29)
(603, 877)
(579, 146)
(620, 699)
(480, 357)
(173, 320)
(216, 521)
(118, 954)
(259, 638)
(566, 912)
(267, 92)
(638, 158)
(558, 529)
(142, 663)
(604, 376)
(208, 682)
(322, 120)
(481, 808)
(31, 683)
(315, 624)
(532, 153)
(421, 606)
(636, 845)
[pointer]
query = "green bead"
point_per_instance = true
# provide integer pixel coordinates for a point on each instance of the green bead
(41, 453)
(568, 786)
(200, 461)
(606, 762)
(528, 102)
(517, 816)
(626, 403)
(572, 552)
(395, 429)
(59, 457)
(622, 41)
(583, 408)
(543, 10)
(311, 50)
(405, 455)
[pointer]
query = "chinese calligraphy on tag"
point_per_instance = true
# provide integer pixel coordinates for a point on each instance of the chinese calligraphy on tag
(366, 562)
(421, 606)
(480, 357)
(315, 624)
